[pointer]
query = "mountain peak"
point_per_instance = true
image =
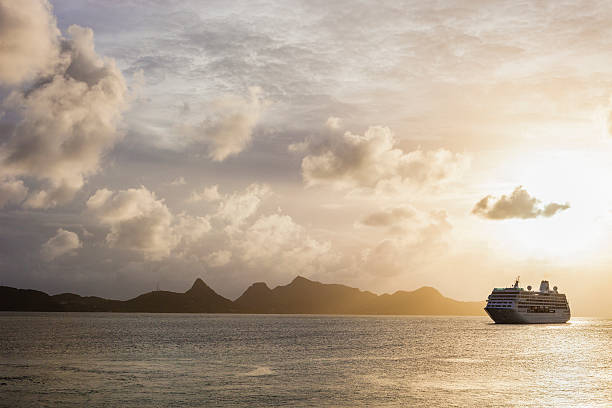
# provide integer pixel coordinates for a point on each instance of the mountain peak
(260, 286)
(257, 297)
(428, 290)
(300, 279)
(256, 289)
(199, 286)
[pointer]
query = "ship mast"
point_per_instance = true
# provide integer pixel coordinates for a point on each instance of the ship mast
(516, 282)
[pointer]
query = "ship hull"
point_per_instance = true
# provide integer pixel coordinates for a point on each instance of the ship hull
(513, 316)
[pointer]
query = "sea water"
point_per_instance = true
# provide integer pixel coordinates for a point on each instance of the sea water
(160, 360)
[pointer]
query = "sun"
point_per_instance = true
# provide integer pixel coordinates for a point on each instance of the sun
(571, 236)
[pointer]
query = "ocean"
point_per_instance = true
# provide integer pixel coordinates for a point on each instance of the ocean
(201, 360)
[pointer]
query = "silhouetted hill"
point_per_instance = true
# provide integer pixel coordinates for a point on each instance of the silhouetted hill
(426, 301)
(301, 296)
(70, 302)
(199, 299)
(305, 296)
(256, 298)
(26, 300)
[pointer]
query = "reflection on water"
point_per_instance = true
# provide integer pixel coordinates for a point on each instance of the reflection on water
(87, 359)
(260, 371)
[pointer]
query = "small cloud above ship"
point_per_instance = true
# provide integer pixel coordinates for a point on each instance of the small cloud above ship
(519, 204)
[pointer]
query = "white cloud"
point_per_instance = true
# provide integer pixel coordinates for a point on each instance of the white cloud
(12, 192)
(333, 122)
(191, 229)
(299, 147)
(277, 245)
(411, 250)
(373, 161)
(179, 181)
(219, 258)
(207, 194)
(273, 243)
(63, 242)
(29, 40)
(236, 208)
(268, 235)
(69, 117)
(228, 128)
(138, 221)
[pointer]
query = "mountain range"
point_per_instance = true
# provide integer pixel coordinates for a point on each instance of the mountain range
(301, 296)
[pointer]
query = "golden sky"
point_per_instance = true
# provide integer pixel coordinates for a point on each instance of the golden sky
(383, 145)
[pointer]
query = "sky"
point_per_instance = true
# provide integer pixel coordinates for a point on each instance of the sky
(384, 145)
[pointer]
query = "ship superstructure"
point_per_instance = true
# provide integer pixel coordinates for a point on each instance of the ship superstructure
(517, 305)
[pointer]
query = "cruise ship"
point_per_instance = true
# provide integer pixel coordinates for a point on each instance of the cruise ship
(517, 305)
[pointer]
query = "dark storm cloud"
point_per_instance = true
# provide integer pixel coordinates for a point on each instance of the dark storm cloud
(517, 205)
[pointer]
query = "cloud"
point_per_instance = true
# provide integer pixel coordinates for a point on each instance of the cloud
(388, 217)
(29, 40)
(209, 194)
(261, 244)
(518, 205)
(69, 118)
(228, 128)
(236, 208)
(410, 251)
(373, 161)
(268, 235)
(257, 244)
(275, 243)
(12, 192)
(141, 222)
(138, 221)
(219, 258)
(190, 229)
(553, 208)
(333, 122)
(179, 181)
(63, 242)
(271, 245)
(299, 147)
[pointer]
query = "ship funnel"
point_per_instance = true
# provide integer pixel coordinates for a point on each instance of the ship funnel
(544, 286)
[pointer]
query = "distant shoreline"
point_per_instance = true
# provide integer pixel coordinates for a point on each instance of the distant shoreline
(300, 297)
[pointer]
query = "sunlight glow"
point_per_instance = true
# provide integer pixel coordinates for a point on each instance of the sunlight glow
(563, 177)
